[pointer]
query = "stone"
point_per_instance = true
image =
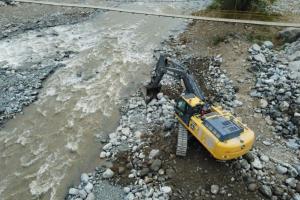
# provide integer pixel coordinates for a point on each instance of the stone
(130, 196)
(293, 172)
(166, 189)
(249, 157)
(252, 187)
(138, 134)
(102, 154)
(267, 143)
(73, 191)
(292, 143)
(281, 170)
(289, 34)
(84, 178)
(298, 187)
(214, 189)
(126, 190)
(255, 47)
(296, 196)
(291, 182)
(260, 58)
(257, 164)
(245, 165)
(89, 187)
(264, 158)
(107, 147)
(156, 164)
(82, 194)
(268, 44)
(144, 172)
(295, 68)
(154, 153)
(266, 191)
(90, 196)
(263, 103)
(295, 56)
(108, 173)
(126, 131)
(284, 106)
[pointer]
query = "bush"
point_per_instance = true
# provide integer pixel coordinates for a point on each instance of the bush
(243, 5)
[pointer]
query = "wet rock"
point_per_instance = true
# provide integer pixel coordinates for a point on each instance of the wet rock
(265, 190)
(214, 189)
(108, 174)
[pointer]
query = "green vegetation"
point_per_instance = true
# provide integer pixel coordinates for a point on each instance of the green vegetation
(242, 5)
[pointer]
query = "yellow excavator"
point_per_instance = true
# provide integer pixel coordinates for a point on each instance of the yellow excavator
(223, 135)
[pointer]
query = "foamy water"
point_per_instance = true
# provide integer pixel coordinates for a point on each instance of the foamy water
(46, 148)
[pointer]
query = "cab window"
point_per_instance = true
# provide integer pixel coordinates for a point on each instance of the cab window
(181, 105)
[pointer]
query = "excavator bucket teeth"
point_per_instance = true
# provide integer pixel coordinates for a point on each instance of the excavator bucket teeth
(182, 141)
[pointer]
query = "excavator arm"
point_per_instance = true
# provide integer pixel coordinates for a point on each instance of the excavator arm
(167, 66)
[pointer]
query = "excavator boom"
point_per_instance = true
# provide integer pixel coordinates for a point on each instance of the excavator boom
(165, 65)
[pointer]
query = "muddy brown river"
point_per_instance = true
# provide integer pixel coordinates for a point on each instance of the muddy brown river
(44, 149)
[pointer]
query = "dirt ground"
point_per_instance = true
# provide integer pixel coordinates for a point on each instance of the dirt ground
(198, 171)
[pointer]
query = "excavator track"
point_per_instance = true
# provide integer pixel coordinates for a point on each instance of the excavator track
(182, 141)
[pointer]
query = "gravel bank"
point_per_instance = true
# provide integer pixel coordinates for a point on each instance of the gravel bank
(40, 16)
(286, 6)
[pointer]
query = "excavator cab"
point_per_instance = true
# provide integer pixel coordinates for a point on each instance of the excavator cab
(187, 106)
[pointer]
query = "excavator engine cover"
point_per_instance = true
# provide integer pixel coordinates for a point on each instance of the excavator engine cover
(222, 128)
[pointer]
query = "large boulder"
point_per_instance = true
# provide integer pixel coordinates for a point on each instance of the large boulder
(289, 34)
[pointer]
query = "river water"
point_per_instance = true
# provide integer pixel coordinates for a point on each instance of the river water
(44, 150)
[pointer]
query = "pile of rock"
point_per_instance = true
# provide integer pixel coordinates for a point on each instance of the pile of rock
(19, 88)
(277, 88)
(222, 88)
(132, 137)
(273, 178)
